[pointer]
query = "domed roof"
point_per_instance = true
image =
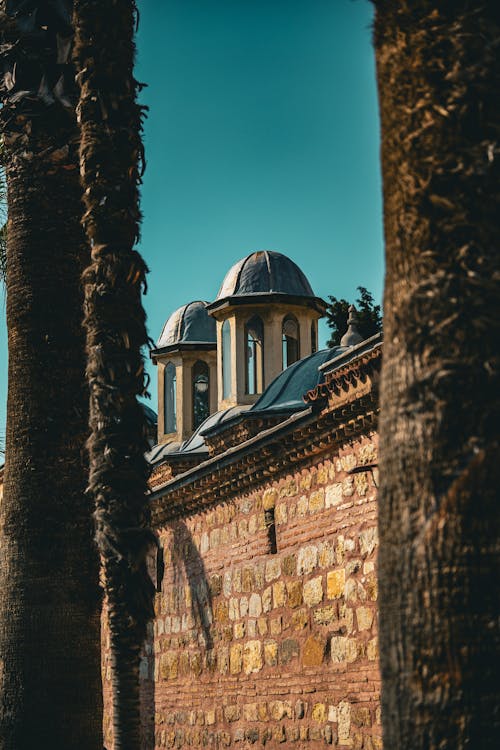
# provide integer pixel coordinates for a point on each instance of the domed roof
(265, 272)
(190, 324)
(286, 391)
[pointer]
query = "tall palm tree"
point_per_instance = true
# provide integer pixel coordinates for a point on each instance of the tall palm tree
(50, 686)
(438, 67)
(111, 160)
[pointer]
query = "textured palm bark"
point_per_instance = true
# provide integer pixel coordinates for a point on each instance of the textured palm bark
(438, 67)
(50, 677)
(111, 159)
(50, 681)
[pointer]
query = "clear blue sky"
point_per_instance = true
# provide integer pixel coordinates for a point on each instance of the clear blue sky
(262, 134)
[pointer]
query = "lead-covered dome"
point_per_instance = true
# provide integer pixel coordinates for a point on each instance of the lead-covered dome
(189, 325)
(265, 272)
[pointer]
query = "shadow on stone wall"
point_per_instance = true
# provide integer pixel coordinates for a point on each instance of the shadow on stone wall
(189, 568)
(147, 692)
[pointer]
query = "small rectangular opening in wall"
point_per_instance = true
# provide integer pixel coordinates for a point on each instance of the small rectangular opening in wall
(271, 530)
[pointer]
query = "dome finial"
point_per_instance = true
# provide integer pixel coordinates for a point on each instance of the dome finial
(352, 336)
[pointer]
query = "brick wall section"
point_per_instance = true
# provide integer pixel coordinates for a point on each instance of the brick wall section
(254, 649)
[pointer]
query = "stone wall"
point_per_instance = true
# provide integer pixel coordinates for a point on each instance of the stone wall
(253, 649)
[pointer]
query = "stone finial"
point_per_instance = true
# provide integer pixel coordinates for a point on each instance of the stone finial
(352, 336)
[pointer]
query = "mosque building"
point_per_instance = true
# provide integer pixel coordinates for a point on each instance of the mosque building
(264, 499)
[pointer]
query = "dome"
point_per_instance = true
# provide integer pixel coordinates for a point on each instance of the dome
(190, 324)
(265, 272)
(286, 391)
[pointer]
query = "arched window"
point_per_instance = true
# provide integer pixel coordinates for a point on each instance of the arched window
(254, 335)
(170, 398)
(314, 337)
(290, 341)
(226, 359)
(201, 393)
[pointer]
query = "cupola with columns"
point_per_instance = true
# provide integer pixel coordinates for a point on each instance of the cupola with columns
(267, 318)
(187, 372)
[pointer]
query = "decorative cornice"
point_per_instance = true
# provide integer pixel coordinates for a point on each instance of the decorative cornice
(342, 408)
(266, 298)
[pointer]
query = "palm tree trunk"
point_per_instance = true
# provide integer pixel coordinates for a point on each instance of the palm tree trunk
(439, 76)
(111, 158)
(50, 681)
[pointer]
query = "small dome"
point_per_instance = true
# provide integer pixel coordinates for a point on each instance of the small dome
(190, 324)
(265, 272)
(286, 391)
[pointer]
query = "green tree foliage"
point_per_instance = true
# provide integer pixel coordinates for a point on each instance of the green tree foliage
(369, 317)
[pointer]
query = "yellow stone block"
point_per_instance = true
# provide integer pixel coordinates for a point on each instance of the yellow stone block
(319, 712)
(236, 658)
(335, 583)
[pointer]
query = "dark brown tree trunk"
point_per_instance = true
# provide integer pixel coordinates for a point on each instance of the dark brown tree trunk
(111, 159)
(439, 80)
(50, 681)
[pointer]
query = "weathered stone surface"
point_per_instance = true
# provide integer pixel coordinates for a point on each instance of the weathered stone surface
(338, 648)
(300, 619)
(313, 651)
(239, 629)
(361, 483)
(294, 593)
(221, 611)
(325, 615)
(205, 543)
(223, 660)
(255, 606)
(279, 594)
(169, 665)
(317, 501)
(234, 609)
(335, 582)
(326, 555)
(307, 559)
(276, 710)
(351, 590)
(300, 709)
(243, 606)
(250, 712)
(364, 617)
(333, 495)
(288, 650)
(273, 569)
(275, 625)
(215, 585)
(360, 716)
(372, 649)
(252, 656)
(280, 514)
(232, 713)
(319, 712)
(269, 498)
(252, 735)
(344, 721)
(368, 540)
(236, 658)
(313, 591)
(271, 653)
(267, 598)
(247, 581)
(262, 625)
(289, 565)
(302, 506)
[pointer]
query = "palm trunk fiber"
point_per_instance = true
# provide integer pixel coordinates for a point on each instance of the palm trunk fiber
(50, 604)
(111, 157)
(438, 70)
